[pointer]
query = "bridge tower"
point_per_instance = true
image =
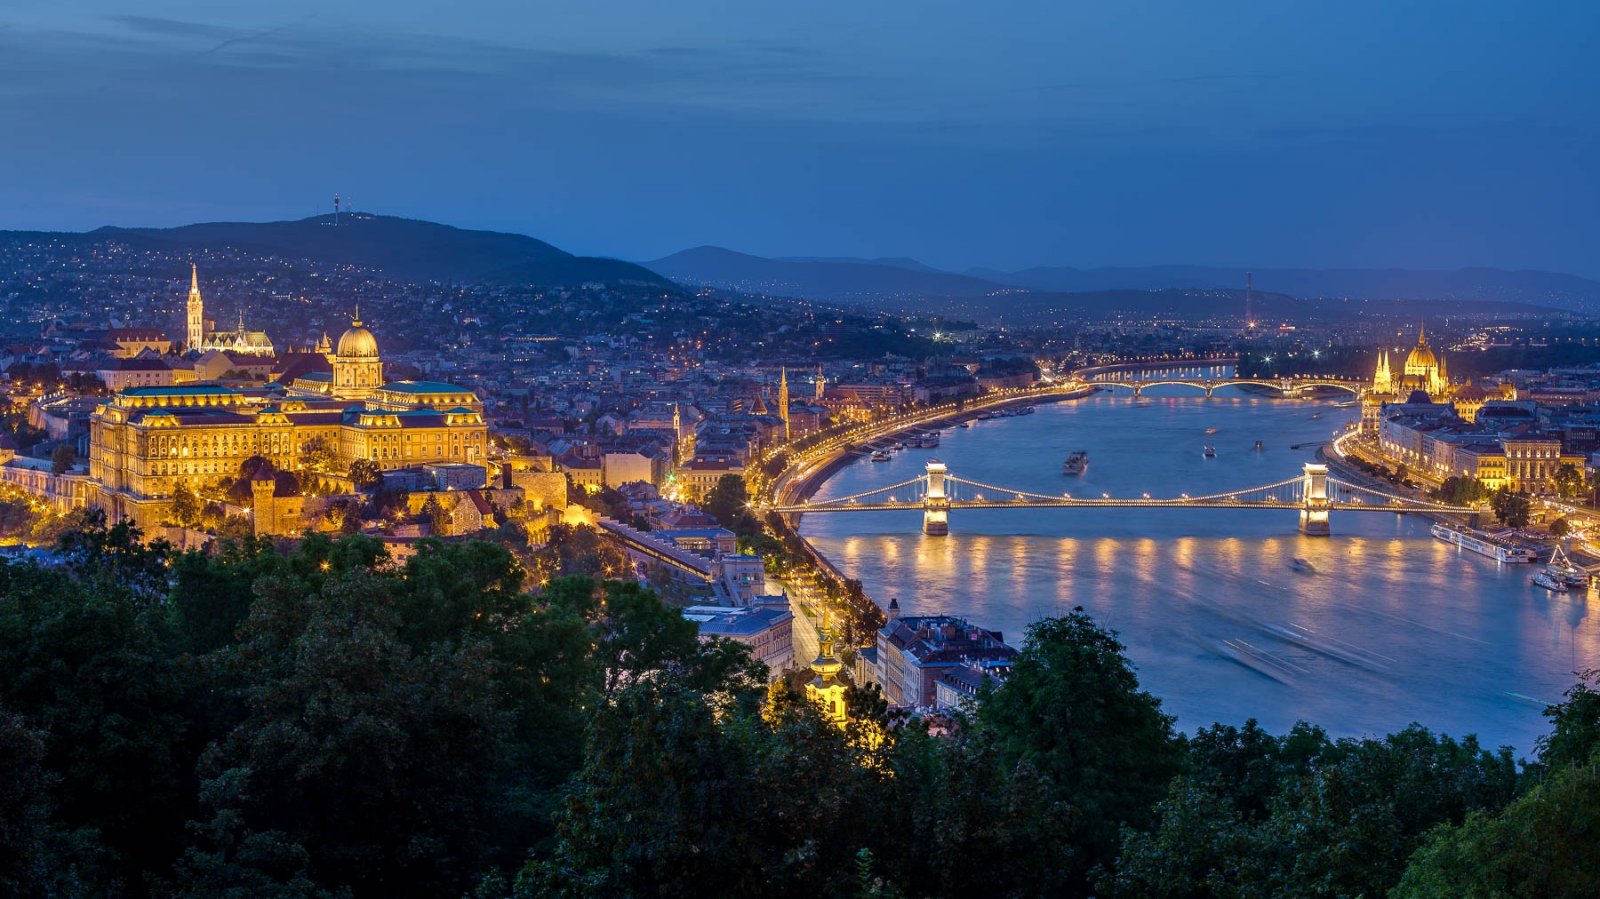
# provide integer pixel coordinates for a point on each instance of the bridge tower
(1314, 511)
(936, 502)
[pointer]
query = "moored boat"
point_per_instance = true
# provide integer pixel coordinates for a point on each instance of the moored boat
(1562, 569)
(1483, 544)
(880, 456)
(1549, 581)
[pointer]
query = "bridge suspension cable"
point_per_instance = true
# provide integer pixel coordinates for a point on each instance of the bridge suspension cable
(920, 481)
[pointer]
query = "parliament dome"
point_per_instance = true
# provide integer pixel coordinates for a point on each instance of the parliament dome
(1421, 357)
(357, 342)
(1421, 361)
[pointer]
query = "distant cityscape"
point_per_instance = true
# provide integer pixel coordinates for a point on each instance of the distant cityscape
(199, 391)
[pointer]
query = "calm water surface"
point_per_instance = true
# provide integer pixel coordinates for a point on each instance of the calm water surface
(1399, 626)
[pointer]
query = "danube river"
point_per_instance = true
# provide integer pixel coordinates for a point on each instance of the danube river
(1392, 627)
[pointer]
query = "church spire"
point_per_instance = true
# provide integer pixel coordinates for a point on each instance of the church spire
(783, 399)
(195, 319)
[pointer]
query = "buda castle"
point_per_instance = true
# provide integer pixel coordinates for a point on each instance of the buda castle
(146, 441)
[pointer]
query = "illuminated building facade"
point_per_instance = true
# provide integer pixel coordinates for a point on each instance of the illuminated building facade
(1423, 371)
(146, 441)
(199, 339)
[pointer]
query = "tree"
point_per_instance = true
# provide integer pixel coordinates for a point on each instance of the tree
(62, 458)
(318, 454)
(1568, 481)
(729, 503)
(434, 512)
(1511, 509)
(1300, 816)
(186, 507)
(1560, 527)
(1543, 844)
(24, 809)
(365, 474)
(372, 762)
(1462, 491)
(1575, 735)
(1072, 710)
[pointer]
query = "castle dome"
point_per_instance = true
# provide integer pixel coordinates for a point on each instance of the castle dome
(357, 342)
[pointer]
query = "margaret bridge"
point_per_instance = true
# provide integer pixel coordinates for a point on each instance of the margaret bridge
(937, 492)
(1288, 387)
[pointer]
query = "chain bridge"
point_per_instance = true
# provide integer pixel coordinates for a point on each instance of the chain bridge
(937, 493)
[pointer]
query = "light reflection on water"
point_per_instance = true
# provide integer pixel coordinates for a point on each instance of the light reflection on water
(1399, 627)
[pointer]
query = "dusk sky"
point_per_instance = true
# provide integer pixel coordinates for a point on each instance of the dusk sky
(1003, 134)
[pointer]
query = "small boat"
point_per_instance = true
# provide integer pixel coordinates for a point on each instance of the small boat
(1077, 463)
(1562, 569)
(1549, 581)
(880, 456)
(1261, 661)
(1259, 447)
(1210, 451)
(1211, 431)
(963, 425)
(1303, 565)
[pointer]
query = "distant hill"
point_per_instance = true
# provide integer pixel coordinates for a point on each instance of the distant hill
(1537, 288)
(817, 279)
(404, 248)
(896, 283)
(890, 261)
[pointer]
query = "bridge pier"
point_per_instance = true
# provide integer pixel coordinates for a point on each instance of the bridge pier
(1138, 391)
(936, 502)
(1314, 511)
(1209, 389)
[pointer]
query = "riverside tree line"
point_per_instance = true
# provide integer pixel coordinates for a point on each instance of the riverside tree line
(307, 720)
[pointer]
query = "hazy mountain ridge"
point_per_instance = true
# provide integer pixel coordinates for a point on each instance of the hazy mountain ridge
(1553, 289)
(817, 279)
(410, 249)
(851, 279)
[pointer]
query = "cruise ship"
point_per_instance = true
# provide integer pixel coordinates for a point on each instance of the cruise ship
(1483, 544)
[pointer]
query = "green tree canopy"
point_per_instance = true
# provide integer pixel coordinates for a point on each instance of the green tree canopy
(1072, 709)
(62, 458)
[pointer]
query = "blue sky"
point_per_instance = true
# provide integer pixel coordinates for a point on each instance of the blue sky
(1003, 134)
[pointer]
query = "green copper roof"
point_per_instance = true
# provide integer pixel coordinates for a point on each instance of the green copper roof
(423, 387)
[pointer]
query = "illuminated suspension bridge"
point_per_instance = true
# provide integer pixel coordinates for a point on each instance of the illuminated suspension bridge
(937, 493)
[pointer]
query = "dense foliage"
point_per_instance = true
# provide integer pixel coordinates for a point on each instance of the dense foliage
(314, 720)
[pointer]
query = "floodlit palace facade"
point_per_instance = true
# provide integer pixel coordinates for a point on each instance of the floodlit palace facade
(148, 440)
